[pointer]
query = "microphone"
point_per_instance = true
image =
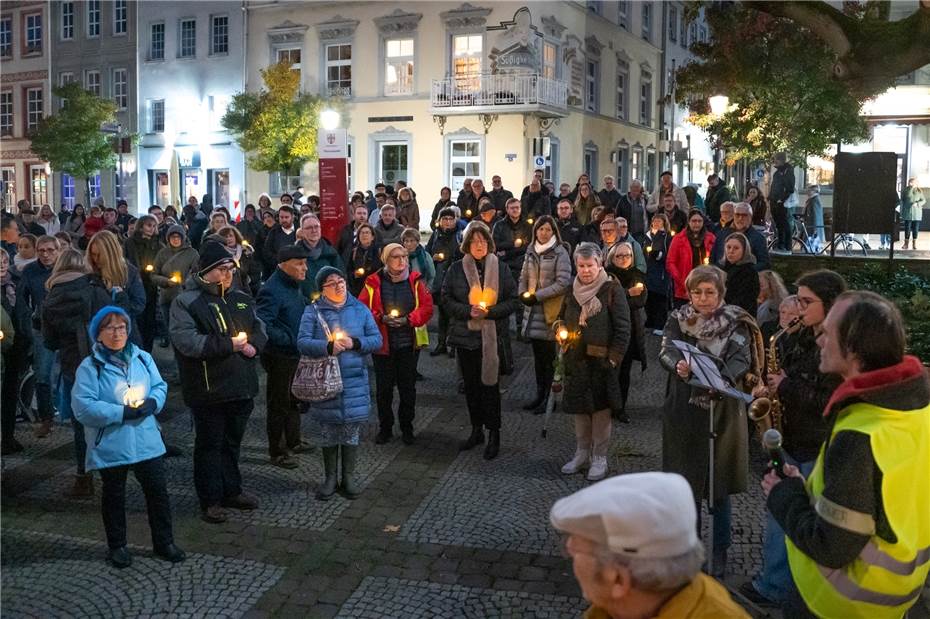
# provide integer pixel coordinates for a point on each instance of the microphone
(771, 442)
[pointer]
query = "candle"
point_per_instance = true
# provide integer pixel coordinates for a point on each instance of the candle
(672, 233)
(394, 313)
(527, 294)
(440, 256)
(134, 396)
(176, 278)
(518, 242)
(245, 243)
(706, 260)
(242, 335)
(149, 268)
(563, 334)
(530, 221)
(482, 305)
(360, 271)
(467, 212)
(648, 248)
(338, 335)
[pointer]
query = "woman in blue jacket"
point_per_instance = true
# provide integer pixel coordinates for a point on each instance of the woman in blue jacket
(117, 393)
(352, 335)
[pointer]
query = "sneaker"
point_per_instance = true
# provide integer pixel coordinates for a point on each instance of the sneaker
(241, 501)
(659, 332)
(598, 470)
(576, 464)
(284, 461)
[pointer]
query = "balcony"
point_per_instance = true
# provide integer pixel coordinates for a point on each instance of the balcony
(490, 93)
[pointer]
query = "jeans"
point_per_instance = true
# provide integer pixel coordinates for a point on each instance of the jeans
(42, 361)
(722, 520)
(774, 582)
(151, 476)
(484, 401)
(283, 420)
(400, 369)
(911, 228)
(219, 429)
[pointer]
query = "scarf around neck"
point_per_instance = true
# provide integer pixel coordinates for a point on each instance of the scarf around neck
(586, 296)
(541, 249)
(490, 363)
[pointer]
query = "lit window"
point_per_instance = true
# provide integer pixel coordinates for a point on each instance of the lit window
(67, 190)
(219, 34)
(93, 18)
(466, 60)
(187, 38)
(339, 70)
(120, 16)
(398, 71)
(39, 184)
(120, 89)
(8, 178)
(67, 20)
(157, 44)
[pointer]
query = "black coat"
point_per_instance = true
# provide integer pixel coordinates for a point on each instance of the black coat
(505, 234)
(715, 197)
(66, 312)
(534, 205)
(570, 231)
(357, 257)
(447, 244)
(455, 290)
(628, 279)
(655, 247)
(276, 239)
(610, 199)
(434, 218)
(742, 286)
(500, 199)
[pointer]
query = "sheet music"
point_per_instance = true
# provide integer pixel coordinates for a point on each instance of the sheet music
(705, 373)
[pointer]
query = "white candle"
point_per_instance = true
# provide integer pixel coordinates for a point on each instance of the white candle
(149, 268)
(394, 313)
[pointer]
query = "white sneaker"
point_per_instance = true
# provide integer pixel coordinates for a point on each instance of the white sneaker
(576, 464)
(598, 468)
(659, 332)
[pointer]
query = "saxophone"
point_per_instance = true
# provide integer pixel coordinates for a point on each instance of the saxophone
(765, 411)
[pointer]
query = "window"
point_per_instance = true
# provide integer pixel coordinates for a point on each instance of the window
(67, 21)
(33, 36)
(636, 169)
(284, 181)
(692, 31)
(550, 59)
(464, 162)
(33, 108)
(650, 168)
(187, 38)
(120, 16)
(92, 82)
(93, 18)
(290, 55)
(623, 85)
(157, 115)
(219, 34)
(94, 182)
(6, 112)
(39, 184)
(623, 14)
(6, 37)
(349, 164)
(596, 6)
(551, 169)
(8, 178)
(398, 70)
(65, 77)
(623, 168)
(647, 21)
(157, 42)
(672, 24)
(684, 32)
(120, 89)
(590, 163)
(339, 70)
(645, 99)
(591, 85)
(466, 60)
(67, 190)
(117, 186)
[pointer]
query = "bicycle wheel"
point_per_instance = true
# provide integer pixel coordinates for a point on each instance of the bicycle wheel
(800, 246)
(852, 246)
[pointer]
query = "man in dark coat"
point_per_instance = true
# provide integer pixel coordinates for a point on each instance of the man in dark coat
(742, 222)
(443, 246)
(569, 228)
(632, 207)
(347, 234)
(609, 196)
(283, 233)
(499, 195)
(469, 203)
(781, 189)
(717, 194)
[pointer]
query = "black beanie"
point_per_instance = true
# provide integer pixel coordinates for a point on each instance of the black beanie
(212, 255)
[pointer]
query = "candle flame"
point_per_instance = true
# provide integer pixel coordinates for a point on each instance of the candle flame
(176, 278)
(482, 305)
(394, 313)
(468, 213)
(134, 396)
(563, 334)
(149, 267)
(360, 271)
(440, 256)
(530, 221)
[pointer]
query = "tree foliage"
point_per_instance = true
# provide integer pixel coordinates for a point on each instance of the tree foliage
(71, 140)
(276, 126)
(796, 73)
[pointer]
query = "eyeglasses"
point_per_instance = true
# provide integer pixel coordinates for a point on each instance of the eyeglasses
(339, 283)
(226, 269)
(115, 329)
(803, 302)
(624, 255)
(696, 292)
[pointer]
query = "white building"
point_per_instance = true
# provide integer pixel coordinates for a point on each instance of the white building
(191, 58)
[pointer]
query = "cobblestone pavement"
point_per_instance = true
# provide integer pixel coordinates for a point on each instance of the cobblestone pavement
(435, 533)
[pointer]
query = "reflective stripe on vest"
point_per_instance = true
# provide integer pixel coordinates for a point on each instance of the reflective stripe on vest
(886, 578)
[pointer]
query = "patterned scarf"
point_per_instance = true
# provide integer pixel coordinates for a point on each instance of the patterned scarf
(586, 295)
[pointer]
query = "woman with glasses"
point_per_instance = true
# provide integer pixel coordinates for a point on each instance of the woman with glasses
(362, 259)
(730, 334)
(401, 305)
(339, 325)
(620, 264)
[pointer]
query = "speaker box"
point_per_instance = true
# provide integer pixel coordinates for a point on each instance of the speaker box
(864, 194)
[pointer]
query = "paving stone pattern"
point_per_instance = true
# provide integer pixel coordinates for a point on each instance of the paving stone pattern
(34, 448)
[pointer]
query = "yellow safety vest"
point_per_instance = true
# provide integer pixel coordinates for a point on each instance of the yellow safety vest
(885, 579)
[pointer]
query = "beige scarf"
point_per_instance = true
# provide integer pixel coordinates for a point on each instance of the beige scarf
(489, 361)
(586, 295)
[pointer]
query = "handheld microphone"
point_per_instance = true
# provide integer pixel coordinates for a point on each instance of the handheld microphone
(771, 442)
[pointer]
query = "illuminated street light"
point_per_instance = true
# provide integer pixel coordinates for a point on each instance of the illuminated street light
(329, 119)
(719, 104)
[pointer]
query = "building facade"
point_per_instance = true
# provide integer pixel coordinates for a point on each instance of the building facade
(24, 100)
(95, 44)
(191, 60)
(437, 92)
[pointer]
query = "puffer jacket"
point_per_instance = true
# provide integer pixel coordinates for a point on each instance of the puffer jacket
(280, 307)
(353, 319)
(417, 318)
(455, 302)
(203, 322)
(679, 260)
(422, 263)
(549, 276)
(179, 263)
(97, 398)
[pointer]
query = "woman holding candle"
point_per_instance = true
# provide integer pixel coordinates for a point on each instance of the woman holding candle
(479, 294)
(117, 393)
(544, 280)
(349, 334)
(174, 264)
(658, 282)
(597, 320)
(620, 264)
(402, 306)
(686, 252)
(74, 226)
(362, 259)
(739, 264)
(104, 258)
(142, 248)
(443, 246)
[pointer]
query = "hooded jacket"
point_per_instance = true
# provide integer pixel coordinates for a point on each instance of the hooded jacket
(178, 263)
(142, 252)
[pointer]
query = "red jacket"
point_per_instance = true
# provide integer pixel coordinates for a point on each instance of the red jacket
(678, 262)
(422, 312)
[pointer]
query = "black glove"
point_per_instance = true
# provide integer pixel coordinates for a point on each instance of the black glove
(529, 299)
(148, 407)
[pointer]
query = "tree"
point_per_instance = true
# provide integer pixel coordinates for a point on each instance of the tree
(797, 73)
(71, 140)
(277, 126)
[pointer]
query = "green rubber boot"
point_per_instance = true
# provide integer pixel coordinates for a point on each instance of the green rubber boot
(350, 489)
(331, 467)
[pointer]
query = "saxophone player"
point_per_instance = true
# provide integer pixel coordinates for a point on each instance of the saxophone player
(803, 392)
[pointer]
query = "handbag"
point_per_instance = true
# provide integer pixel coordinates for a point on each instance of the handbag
(317, 379)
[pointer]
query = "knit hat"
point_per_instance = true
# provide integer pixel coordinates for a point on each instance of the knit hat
(212, 255)
(325, 272)
(487, 206)
(387, 249)
(177, 229)
(93, 329)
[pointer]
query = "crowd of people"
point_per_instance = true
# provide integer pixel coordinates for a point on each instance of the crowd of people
(584, 276)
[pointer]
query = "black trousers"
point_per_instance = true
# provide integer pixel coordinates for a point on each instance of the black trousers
(625, 366)
(151, 476)
(782, 227)
(656, 310)
(443, 328)
(396, 369)
(219, 429)
(484, 401)
(544, 353)
(147, 322)
(283, 422)
(14, 362)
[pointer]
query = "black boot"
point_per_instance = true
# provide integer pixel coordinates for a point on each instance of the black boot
(476, 438)
(494, 444)
(541, 409)
(330, 466)
(533, 404)
(349, 487)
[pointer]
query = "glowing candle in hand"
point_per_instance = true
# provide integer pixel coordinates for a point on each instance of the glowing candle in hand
(134, 396)
(518, 242)
(482, 305)
(527, 294)
(176, 278)
(360, 271)
(149, 268)
(394, 313)
(530, 221)
(440, 256)
(338, 335)
(563, 334)
(467, 212)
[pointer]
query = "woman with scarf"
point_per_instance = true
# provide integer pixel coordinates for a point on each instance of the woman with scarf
(727, 332)
(420, 261)
(620, 265)
(479, 295)
(339, 325)
(687, 251)
(363, 259)
(117, 394)
(658, 282)
(48, 220)
(596, 317)
(408, 211)
(401, 305)
(742, 278)
(585, 203)
(544, 280)
(174, 264)
(104, 258)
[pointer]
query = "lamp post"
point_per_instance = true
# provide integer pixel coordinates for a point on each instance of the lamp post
(718, 107)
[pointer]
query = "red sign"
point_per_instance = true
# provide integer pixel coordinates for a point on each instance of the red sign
(334, 198)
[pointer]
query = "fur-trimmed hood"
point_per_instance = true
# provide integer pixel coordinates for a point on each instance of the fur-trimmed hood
(902, 387)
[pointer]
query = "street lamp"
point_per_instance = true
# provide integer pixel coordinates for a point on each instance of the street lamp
(718, 107)
(329, 119)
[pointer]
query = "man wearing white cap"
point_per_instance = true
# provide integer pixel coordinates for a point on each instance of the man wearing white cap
(635, 550)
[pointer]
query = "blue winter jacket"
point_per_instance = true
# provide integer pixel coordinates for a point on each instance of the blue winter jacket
(281, 307)
(356, 321)
(97, 399)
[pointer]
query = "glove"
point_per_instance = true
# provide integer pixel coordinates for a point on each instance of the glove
(148, 407)
(529, 300)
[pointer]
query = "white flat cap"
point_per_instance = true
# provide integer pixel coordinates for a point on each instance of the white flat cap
(647, 515)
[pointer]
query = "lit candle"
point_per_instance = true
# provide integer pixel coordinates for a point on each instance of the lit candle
(518, 242)
(360, 271)
(648, 248)
(706, 260)
(440, 256)
(245, 243)
(530, 221)
(527, 294)
(672, 233)
(563, 334)
(638, 286)
(176, 278)
(242, 335)
(468, 212)
(482, 305)
(394, 313)
(338, 335)
(149, 268)
(134, 396)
